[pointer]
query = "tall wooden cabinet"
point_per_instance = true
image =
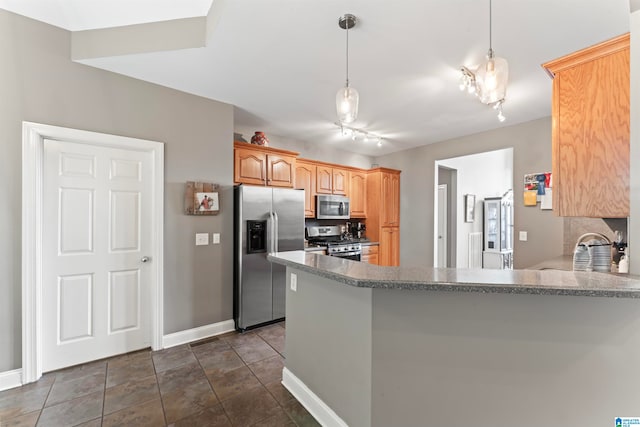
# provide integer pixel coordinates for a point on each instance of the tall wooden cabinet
(590, 131)
(383, 213)
(257, 165)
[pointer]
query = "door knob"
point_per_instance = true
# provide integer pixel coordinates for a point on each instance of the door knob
(145, 259)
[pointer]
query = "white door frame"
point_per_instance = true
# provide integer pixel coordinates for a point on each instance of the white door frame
(442, 220)
(33, 135)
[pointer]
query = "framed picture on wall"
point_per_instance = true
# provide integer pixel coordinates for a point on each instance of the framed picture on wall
(469, 207)
(201, 198)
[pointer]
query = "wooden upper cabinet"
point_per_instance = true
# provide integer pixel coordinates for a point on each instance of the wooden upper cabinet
(280, 170)
(306, 180)
(330, 180)
(250, 167)
(590, 131)
(358, 194)
(257, 165)
(340, 181)
(324, 179)
(390, 200)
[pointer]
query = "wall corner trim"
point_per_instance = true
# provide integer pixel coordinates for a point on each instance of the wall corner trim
(316, 407)
(189, 335)
(10, 379)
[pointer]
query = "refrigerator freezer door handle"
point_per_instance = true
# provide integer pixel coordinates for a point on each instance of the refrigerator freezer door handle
(272, 230)
(276, 234)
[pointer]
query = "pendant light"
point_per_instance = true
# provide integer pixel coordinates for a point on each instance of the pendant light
(492, 75)
(347, 98)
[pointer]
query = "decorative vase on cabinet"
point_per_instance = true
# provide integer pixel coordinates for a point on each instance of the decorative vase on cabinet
(260, 139)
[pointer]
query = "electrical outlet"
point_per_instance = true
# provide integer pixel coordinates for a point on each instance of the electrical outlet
(523, 236)
(294, 282)
(216, 238)
(202, 239)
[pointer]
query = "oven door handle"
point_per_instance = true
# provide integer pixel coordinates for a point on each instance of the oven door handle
(346, 254)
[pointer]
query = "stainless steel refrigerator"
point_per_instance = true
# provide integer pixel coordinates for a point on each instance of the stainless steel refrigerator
(498, 232)
(266, 220)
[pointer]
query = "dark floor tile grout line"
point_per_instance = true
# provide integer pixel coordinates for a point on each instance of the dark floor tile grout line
(155, 374)
(104, 395)
(213, 388)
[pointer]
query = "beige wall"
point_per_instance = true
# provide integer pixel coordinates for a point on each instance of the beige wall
(39, 83)
(531, 144)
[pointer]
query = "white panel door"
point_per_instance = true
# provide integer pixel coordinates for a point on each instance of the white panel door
(96, 287)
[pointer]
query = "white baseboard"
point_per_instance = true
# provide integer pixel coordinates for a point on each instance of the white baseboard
(316, 407)
(10, 379)
(206, 331)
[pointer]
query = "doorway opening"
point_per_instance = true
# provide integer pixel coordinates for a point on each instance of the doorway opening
(487, 174)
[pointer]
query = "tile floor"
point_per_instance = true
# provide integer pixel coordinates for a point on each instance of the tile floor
(230, 380)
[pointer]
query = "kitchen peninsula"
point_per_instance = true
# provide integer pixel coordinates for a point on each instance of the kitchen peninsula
(379, 346)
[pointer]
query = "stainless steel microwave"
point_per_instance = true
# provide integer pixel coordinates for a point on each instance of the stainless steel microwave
(332, 207)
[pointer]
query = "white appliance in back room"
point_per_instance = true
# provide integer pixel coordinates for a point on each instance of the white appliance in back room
(266, 220)
(498, 232)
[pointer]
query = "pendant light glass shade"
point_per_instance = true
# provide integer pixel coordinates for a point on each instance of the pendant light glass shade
(347, 98)
(347, 104)
(491, 79)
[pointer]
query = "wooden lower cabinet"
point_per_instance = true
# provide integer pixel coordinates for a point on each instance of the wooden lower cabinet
(370, 254)
(389, 254)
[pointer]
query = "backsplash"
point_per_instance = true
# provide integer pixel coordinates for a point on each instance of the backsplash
(575, 227)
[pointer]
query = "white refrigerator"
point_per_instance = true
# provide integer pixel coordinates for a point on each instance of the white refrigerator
(498, 232)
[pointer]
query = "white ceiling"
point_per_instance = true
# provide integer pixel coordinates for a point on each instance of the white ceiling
(281, 62)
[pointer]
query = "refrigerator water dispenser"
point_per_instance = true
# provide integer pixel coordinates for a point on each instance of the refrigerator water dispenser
(256, 236)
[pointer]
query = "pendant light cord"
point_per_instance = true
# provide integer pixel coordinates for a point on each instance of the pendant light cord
(347, 26)
(490, 27)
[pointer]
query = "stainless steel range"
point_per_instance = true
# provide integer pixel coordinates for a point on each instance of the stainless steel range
(337, 241)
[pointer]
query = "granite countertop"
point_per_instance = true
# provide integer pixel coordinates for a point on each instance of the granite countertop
(564, 262)
(542, 282)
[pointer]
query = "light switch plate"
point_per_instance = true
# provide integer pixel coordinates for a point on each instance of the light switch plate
(523, 236)
(202, 239)
(294, 282)
(216, 238)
